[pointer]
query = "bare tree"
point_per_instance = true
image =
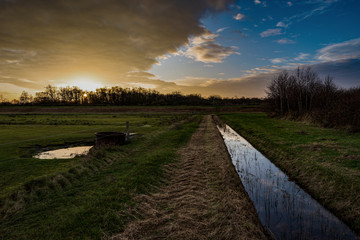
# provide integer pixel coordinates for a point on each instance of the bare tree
(24, 97)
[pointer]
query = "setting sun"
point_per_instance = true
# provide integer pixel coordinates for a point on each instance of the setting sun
(86, 83)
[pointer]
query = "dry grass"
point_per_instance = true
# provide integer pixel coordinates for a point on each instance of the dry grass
(204, 198)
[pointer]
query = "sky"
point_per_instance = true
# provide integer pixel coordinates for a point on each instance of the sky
(209, 47)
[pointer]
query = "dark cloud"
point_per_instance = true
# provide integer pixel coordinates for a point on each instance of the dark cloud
(346, 73)
(248, 86)
(252, 85)
(42, 40)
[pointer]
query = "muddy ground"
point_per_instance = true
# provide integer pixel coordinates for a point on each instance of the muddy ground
(203, 198)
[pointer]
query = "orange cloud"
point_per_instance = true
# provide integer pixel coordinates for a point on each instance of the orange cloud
(44, 41)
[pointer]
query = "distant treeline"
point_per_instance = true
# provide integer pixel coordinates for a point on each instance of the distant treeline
(124, 96)
(303, 94)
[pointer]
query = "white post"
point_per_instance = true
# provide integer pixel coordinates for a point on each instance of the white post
(127, 131)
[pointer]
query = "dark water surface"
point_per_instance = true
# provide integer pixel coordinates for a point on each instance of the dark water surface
(282, 206)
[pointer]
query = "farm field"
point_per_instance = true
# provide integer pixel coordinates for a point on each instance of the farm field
(81, 197)
(325, 162)
(130, 109)
(99, 195)
(171, 120)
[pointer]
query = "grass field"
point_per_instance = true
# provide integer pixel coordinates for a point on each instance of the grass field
(326, 162)
(91, 197)
(130, 109)
(85, 197)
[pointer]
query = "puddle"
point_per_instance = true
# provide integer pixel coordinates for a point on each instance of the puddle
(282, 206)
(64, 153)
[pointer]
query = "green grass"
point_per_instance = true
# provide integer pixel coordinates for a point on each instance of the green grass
(22, 136)
(326, 162)
(84, 197)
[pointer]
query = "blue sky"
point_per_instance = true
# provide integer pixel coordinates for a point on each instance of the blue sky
(270, 35)
(210, 47)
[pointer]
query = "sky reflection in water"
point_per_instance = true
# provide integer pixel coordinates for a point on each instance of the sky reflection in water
(283, 207)
(64, 153)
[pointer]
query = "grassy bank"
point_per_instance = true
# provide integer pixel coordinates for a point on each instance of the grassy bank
(326, 162)
(85, 197)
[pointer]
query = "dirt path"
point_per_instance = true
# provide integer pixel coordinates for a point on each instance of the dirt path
(204, 198)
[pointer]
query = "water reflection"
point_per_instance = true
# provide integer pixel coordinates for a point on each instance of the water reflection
(283, 207)
(64, 153)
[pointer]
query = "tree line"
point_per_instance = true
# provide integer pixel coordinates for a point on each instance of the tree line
(303, 94)
(124, 96)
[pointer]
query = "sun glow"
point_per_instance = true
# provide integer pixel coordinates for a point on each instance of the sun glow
(86, 83)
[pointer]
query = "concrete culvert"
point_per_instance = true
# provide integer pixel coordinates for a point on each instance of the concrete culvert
(109, 138)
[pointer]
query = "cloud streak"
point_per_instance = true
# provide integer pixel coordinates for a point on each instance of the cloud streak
(319, 7)
(339, 51)
(285, 41)
(277, 60)
(271, 32)
(302, 56)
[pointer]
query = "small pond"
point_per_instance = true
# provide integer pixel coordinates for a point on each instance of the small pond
(64, 153)
(286, 210)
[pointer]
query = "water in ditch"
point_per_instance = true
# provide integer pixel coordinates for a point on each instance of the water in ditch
(64, 153)
(286, 210)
